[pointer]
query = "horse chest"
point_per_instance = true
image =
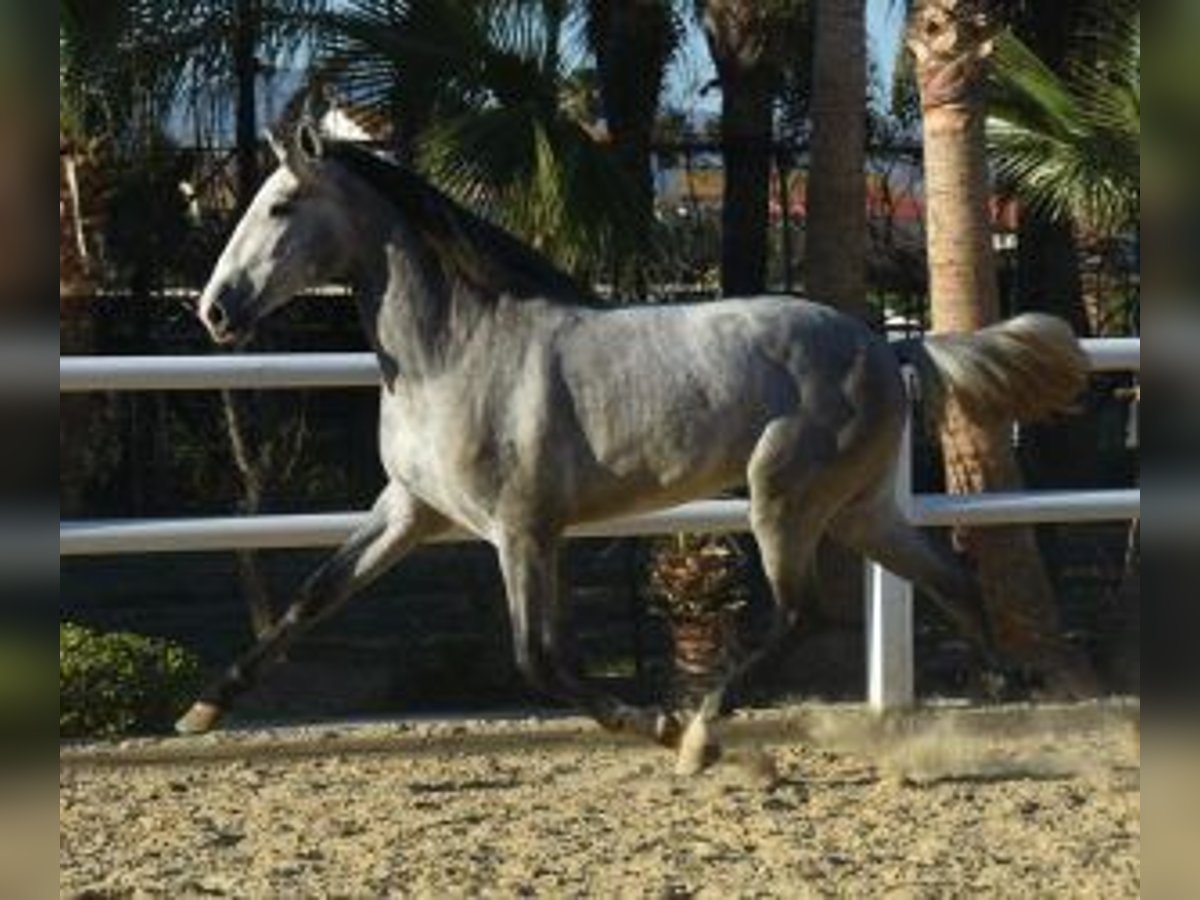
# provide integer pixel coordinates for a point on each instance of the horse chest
(457, 463)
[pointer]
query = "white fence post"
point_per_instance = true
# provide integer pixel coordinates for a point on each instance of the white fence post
(889, 611)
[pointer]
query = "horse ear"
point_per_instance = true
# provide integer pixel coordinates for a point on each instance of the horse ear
(306, 150)
(309, 143)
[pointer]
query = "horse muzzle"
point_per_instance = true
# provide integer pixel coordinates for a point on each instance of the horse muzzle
(224, 316)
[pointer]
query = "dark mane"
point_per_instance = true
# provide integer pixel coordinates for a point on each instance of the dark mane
(467, 245)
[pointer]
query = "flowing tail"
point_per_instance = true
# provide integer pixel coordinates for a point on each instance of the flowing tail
(1022, 369)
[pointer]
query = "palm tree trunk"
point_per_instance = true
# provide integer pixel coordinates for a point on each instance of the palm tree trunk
(836, 231)
(77, 415)
(742, 40)
(836, 225)
(1048, 276)
(633, 41)
(746, 131)
(951, 41)
(246, 27)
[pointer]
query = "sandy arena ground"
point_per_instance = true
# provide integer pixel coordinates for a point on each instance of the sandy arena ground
(1000, 803)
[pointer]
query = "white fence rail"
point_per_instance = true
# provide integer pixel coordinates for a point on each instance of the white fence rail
(889, 599)
(168, 535)
(262, 371)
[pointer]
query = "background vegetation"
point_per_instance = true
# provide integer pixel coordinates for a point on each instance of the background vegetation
(119, 683)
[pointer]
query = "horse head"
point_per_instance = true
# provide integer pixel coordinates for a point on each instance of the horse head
(293, 236)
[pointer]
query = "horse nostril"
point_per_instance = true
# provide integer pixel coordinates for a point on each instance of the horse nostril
(216, 315)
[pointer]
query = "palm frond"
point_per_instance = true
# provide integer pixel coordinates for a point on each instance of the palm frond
(126, 66)
(1070, 146)
(543, 179)
(475, 91)
(633, 44)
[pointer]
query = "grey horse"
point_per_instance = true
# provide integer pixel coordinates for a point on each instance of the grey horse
(513, 405)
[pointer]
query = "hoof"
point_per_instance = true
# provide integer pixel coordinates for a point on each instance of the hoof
(697, 750)
(668, 731)
(199, 719)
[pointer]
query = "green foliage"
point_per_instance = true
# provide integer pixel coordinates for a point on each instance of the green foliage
(1070, 145)
(126, 66)
(145, 220)
(479, 97)
(118, 683)
(633, 45)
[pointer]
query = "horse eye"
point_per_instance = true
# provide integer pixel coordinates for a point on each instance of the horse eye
(280, 210)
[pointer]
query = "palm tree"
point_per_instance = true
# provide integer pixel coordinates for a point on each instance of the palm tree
(111, 83)
(1048, 272)
(1070, 146)
(1065, 133)
(128, 67)
(476, 95)
(748, 40)
(836, 229)
(951, 42)
(835, 255)
(698, 584)
(633, 42)
(246, 22)
(1064, 136)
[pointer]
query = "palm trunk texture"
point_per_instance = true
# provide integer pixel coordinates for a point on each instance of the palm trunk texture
(836, 226)
(836, 232)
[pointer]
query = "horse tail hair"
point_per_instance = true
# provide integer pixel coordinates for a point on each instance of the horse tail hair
(1023, 369)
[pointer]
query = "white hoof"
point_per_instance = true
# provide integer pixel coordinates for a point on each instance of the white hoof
(698, 748)
(199, 719)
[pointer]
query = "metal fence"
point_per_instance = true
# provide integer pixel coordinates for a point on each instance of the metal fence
(889, 599)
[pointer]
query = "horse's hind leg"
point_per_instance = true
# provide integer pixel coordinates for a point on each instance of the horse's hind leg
(396, 524)
(877, 529)
(792, 499)
(881, 532)
(787, 537)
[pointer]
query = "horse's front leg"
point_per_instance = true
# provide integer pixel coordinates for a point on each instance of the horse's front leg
(397, 523)
(530, 567)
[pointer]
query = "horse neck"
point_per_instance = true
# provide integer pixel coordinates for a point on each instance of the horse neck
(416, 315)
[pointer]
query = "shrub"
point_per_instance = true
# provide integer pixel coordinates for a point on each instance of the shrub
(694, 576)
(698, 583)
(118, 683)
